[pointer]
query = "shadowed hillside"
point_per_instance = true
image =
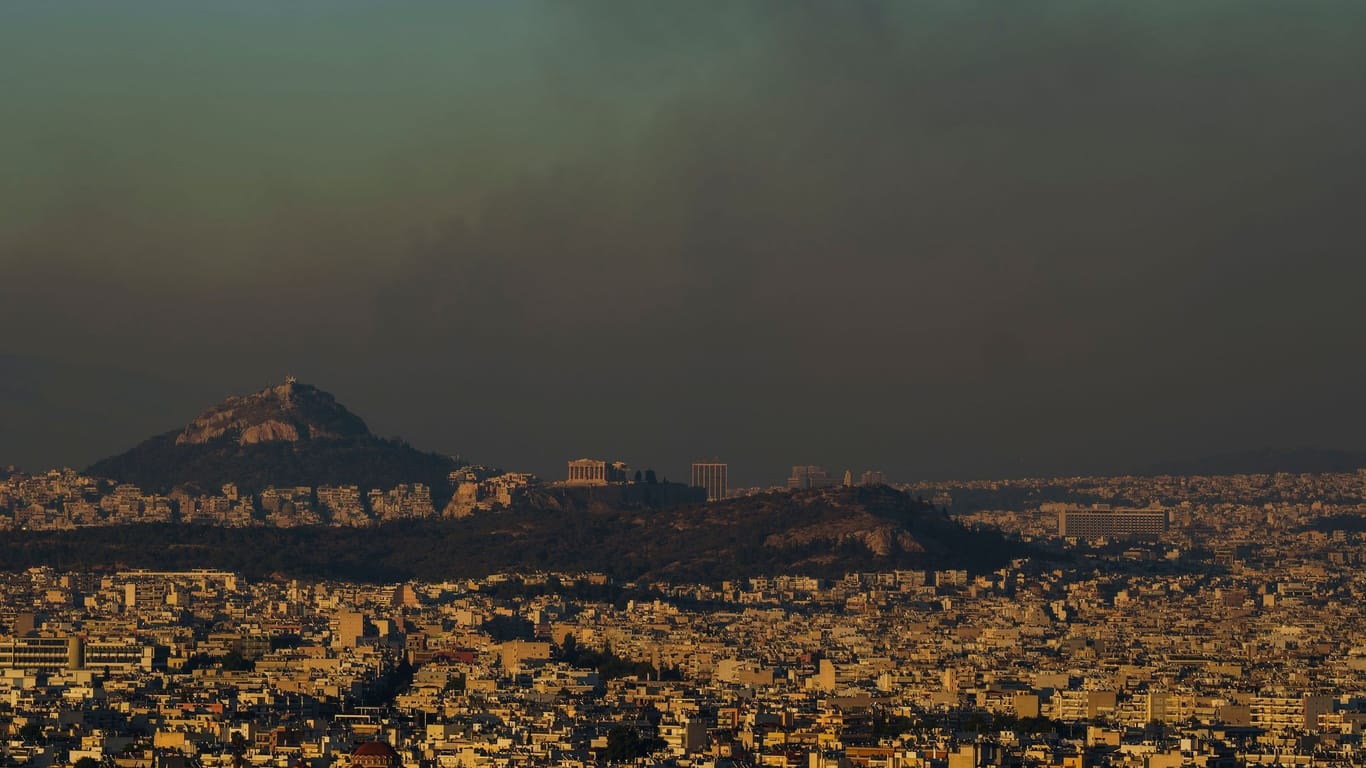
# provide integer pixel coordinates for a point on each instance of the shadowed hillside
(288, 435)
(825, 532)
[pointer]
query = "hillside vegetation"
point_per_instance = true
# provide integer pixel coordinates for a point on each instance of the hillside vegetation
(825, 532)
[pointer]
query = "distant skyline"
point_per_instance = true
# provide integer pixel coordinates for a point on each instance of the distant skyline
(958, 239)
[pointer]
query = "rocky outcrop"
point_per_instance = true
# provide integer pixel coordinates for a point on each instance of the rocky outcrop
(269, 430)
(290, 434)
(288, 412)
(874, 535)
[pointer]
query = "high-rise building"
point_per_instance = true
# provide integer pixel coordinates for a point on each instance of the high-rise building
(1101, 521)
(350, 628)
(713, 476)
(810, 476)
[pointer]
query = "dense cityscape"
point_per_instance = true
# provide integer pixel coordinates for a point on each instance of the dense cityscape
(1233, 633)
(747, 384)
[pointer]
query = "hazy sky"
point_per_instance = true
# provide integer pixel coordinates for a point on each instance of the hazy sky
(947, 238)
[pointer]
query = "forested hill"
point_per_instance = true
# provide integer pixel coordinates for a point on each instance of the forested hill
(824, 532)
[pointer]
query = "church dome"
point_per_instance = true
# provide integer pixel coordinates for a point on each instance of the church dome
(374, 754)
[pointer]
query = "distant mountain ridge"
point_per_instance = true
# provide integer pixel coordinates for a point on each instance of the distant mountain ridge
(1266, 461)
(291, 434)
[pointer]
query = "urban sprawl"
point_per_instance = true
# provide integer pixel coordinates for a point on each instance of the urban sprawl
(1170, 621)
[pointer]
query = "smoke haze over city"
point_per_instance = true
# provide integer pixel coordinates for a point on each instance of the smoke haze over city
(942, 239)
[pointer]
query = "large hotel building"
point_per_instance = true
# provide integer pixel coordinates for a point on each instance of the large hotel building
(70, 652)
(1103, 522)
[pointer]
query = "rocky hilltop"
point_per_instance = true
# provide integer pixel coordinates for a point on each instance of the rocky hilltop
(292, 434)
(287, 412)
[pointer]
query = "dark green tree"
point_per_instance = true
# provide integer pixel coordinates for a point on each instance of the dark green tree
(624, 744)
(236, 662)
(569, 649)
(32, 733)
